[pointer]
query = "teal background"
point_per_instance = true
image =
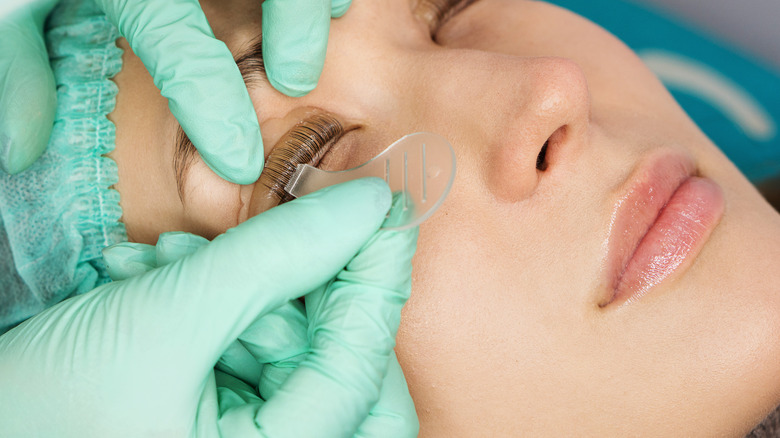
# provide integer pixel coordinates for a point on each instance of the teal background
(647, 30)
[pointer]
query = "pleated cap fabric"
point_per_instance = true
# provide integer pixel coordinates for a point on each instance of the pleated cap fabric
(57, 216)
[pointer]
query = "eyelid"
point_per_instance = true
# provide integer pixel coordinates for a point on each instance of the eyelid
(305, 143)
(184, 156)
(436, 13)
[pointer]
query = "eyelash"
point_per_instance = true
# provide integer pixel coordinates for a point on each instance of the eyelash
(305, 143)
(437, 12)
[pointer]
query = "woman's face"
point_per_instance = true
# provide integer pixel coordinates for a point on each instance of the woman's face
(533, 312)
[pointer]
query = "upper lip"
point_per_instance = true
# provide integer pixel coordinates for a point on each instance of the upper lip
(645, 193)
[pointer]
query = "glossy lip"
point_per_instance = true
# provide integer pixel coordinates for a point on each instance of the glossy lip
(659, 226)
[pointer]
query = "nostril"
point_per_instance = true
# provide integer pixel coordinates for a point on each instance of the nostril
(541, 162)
(510, 171)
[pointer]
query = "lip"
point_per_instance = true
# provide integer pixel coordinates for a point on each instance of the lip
(659, 225)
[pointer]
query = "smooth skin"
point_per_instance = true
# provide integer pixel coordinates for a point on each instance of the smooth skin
(178, 48)
(136, 357)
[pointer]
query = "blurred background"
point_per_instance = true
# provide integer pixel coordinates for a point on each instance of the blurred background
(752, 25)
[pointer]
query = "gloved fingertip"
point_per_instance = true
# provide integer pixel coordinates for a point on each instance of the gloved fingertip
(295, 40)
(15, 159)
(384, 197)
(339, 7)
(237, 171)
(292, 86)
(172, 246)
(235, 156)
(125, 260)
(22, 141)
(181, 239)
(398, 215)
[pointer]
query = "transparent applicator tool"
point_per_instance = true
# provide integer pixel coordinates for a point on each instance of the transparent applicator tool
(419, 168)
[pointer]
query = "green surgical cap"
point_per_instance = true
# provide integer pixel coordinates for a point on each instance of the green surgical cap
(57, 216)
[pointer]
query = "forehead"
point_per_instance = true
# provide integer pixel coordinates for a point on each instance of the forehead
(234, 21)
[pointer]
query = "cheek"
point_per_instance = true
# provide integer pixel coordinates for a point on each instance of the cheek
(480, 325)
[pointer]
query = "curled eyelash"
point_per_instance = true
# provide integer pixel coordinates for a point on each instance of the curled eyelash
(305, 143)
(437, 12)
(183, 157)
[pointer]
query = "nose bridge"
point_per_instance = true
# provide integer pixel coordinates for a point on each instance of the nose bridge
(500, 92)
(467, 91)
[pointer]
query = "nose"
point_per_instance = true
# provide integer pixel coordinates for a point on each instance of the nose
(524, 116)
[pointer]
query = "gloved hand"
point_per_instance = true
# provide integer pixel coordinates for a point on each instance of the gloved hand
(177, 46)
(135, 357)
(255, 365)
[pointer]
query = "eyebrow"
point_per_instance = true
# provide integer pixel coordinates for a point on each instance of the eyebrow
(250, 64)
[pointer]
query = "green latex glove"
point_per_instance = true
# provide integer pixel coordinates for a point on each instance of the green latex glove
(177, 46)
(27, 95)
(295, 36)
(256, 365)
(136, 357)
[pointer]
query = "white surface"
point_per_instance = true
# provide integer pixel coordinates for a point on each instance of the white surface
(718, 91)
(753, 25)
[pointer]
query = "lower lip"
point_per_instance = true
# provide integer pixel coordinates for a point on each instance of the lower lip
(674, 239)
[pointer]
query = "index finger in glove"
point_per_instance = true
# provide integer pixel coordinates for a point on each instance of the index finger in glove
(27, 89)
(295, 39)
(352, 330)
(128, 259)
(198, 75)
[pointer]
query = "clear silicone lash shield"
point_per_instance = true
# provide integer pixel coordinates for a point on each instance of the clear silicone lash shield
(419, 168)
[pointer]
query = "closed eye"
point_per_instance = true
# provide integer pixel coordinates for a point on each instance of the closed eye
(250, 64)
(435, 13)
